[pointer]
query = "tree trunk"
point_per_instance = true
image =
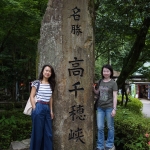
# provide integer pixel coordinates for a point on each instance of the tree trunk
(130, 61)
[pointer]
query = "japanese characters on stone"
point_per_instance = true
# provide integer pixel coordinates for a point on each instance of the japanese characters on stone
(76, 28)
(76, 111)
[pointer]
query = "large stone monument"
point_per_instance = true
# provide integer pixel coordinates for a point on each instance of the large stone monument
(66, 42)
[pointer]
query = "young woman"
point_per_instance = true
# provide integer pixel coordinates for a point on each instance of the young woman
(107, 104)
(42, 111)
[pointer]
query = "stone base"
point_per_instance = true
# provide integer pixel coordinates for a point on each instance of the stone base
(25, 145)
(20, 145)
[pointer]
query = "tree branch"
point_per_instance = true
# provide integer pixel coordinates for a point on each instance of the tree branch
(133, 56)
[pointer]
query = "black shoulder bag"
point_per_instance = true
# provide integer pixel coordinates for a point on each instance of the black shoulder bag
(96, 101)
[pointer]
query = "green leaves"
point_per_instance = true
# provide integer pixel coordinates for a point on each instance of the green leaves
(19, 33)
(123, 35)
(130, 129)
(12, 122)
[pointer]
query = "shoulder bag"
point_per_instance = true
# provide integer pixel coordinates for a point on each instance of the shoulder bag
(28, 107)
(96, 101)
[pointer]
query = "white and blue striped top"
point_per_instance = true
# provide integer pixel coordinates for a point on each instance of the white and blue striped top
(44, 93)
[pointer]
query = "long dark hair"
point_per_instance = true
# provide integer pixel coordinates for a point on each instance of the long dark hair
(108, 67)
(51, 80)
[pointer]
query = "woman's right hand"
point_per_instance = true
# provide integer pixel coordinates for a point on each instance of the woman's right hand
(94, 85)
(34, 107)
(95, 90)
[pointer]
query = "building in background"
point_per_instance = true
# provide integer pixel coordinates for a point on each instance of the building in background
(137, 86)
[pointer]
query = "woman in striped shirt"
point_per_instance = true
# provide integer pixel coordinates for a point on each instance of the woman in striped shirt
(42, 111)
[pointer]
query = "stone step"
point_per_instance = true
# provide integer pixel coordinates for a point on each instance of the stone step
(20, 145)
(25, 144)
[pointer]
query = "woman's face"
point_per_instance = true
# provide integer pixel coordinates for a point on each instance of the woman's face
(106, 73)
(47, 72)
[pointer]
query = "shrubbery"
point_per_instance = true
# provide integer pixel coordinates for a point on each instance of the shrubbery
(14, 125)
(131, 126)
(130, 129)
(134, 104)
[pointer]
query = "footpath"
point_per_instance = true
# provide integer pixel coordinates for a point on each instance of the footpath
(146, 107)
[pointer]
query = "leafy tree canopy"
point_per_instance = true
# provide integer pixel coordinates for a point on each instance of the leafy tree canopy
(123, 35)
(19, 34)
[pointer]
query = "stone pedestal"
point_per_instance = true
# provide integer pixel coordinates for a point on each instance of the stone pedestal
(66, 42)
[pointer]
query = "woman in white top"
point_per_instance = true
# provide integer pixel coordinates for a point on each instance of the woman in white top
(42, 111)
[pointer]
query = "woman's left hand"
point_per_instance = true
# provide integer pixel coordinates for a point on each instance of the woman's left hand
(113, 113)
(52, 115)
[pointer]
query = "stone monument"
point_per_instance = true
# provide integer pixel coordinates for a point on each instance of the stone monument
(67, 43)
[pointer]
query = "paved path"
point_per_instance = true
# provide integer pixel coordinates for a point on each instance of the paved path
(146, 107)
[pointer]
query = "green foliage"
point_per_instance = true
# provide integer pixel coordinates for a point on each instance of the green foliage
(98, 66)
(6, 121)
(12, 105)
(116, 28)
(145, 71)
(119, 99)
(134, 104)
(12, 122)
(19, 33)
(130, 129)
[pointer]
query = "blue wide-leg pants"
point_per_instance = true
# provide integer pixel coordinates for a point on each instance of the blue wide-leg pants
(41, 137)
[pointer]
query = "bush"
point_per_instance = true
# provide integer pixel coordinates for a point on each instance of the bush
(130, 127)
(119, 99)
(14, 125)
(130, 130)
(134, 104)
(7, 105)
(12, 105)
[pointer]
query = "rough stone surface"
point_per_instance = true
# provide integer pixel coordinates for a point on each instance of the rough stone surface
(59, 45)
(20, 145)
(24, 145)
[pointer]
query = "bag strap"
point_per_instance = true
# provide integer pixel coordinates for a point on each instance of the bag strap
(38, 86)
(99, 82)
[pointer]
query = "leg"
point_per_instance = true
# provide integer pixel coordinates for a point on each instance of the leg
(110, 126)
(37, 128)
(100, 125)
(48, 144)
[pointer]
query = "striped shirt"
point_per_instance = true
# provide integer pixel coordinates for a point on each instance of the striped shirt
(44, 93)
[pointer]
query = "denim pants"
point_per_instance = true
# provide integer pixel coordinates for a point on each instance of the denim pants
(103, 113)
(41, 137)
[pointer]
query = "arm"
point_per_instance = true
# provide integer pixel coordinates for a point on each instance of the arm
(114, 99)
(114, 103)
(95, 91)
(32, 95)
(51, 108)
